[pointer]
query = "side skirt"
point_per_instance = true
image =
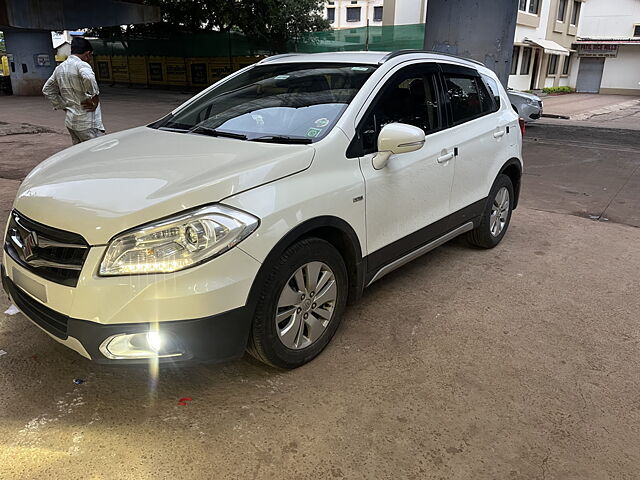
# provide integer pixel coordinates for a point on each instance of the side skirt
(402, 251)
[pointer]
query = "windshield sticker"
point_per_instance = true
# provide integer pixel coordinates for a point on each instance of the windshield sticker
(321, 122)
(258, 119)
(281, 77)
(313, 132)
(360, 69)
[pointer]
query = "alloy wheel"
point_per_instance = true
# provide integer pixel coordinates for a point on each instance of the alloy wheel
(306, 305)
(499, 212)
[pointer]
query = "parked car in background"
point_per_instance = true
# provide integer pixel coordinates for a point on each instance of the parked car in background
(249, 216)
(527, 105)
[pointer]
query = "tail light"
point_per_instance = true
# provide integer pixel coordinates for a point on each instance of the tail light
(522, 126)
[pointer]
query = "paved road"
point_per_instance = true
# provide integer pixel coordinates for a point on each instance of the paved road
(520, 362)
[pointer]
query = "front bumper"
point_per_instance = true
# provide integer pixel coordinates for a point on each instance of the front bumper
(210, 339)
(531, 112)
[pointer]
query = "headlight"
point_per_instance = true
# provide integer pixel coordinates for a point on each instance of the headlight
(179, 242)
(531, 101)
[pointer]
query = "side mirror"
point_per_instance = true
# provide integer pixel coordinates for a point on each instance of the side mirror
(397, 138)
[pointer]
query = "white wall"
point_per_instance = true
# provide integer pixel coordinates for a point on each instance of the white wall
(609, 18)
(523, 31)
(408, 12)
(623, 71)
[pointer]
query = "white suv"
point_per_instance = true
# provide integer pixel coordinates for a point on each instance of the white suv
(249, 217)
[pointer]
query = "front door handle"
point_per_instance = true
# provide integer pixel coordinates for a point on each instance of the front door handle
(499, 134)
(445, 158)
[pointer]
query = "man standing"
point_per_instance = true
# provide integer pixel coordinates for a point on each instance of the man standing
(73, 88)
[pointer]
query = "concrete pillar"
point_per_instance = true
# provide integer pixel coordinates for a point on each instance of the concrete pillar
(481, 30)
(31, 60)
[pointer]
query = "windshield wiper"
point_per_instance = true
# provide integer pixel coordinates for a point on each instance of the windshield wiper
(282, 139)
(217, 133)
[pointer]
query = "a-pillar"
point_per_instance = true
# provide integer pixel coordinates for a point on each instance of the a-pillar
(483, 31)
(31, 60)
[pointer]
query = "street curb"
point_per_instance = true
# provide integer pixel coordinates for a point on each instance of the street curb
(553, 115)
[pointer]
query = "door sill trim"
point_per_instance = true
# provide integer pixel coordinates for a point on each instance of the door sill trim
(421, 251)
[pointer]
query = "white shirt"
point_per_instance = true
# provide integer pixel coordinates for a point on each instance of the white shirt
(73, 82)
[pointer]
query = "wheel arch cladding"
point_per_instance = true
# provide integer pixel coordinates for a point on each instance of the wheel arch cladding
(333, 230)
(513, 170)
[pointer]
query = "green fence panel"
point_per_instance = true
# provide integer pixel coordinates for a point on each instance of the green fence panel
(218, 44)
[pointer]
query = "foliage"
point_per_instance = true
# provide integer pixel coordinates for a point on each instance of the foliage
(559, 90)
(3, 48)
(269, 23)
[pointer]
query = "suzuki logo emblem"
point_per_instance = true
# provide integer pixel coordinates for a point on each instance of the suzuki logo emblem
(29, 243)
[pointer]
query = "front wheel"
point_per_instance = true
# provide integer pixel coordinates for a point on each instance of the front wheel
(496, 216)
(300, 306)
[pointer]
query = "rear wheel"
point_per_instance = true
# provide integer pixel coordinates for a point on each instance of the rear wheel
(300, 306)
(496, 216)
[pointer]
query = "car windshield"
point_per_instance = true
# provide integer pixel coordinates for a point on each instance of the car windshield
(281, 102)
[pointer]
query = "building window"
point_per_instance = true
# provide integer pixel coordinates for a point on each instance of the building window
(353, 14)
(566, 66)
(575, 15)
(526, 61)
(534, 6)
(553, 65)
(377, 14)
(636, 30)
(331, 15)
(514, 60)
(562, 10)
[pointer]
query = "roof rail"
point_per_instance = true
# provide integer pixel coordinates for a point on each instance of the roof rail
(276, 57)
(408, 51)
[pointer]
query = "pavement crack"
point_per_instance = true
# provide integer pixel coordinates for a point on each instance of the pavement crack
(543, 466)
(633, 174)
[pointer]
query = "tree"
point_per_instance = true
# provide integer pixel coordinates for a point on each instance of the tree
(272, 24)
(275, 23)
(3, 48)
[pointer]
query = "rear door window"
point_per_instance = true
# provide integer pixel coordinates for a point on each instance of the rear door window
(468, 97)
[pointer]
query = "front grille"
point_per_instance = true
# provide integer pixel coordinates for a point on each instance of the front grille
(52, 321)
(52, 254)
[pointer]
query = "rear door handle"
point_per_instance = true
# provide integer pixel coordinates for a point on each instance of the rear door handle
(445, 158)
(499, 134)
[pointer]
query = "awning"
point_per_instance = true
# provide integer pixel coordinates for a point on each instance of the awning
(549, 46)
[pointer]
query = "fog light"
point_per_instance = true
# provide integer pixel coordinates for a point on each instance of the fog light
(152, 344)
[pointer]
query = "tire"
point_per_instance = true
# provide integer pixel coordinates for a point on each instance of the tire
(303, 327)
(491, 231)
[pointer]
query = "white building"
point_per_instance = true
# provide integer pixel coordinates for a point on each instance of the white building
(355, 13)
(608, 46)
(543, 54)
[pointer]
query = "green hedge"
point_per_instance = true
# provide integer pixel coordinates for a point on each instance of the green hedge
(558, 90)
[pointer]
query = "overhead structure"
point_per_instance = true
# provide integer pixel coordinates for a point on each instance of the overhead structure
(27, 26)
(483, 31)
(549, 46)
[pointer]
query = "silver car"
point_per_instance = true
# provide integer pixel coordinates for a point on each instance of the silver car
(527, 105)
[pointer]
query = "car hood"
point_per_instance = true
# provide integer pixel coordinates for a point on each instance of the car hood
(110, 184)
(518, 93)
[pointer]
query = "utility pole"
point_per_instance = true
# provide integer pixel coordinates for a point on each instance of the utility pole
(483, 31)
